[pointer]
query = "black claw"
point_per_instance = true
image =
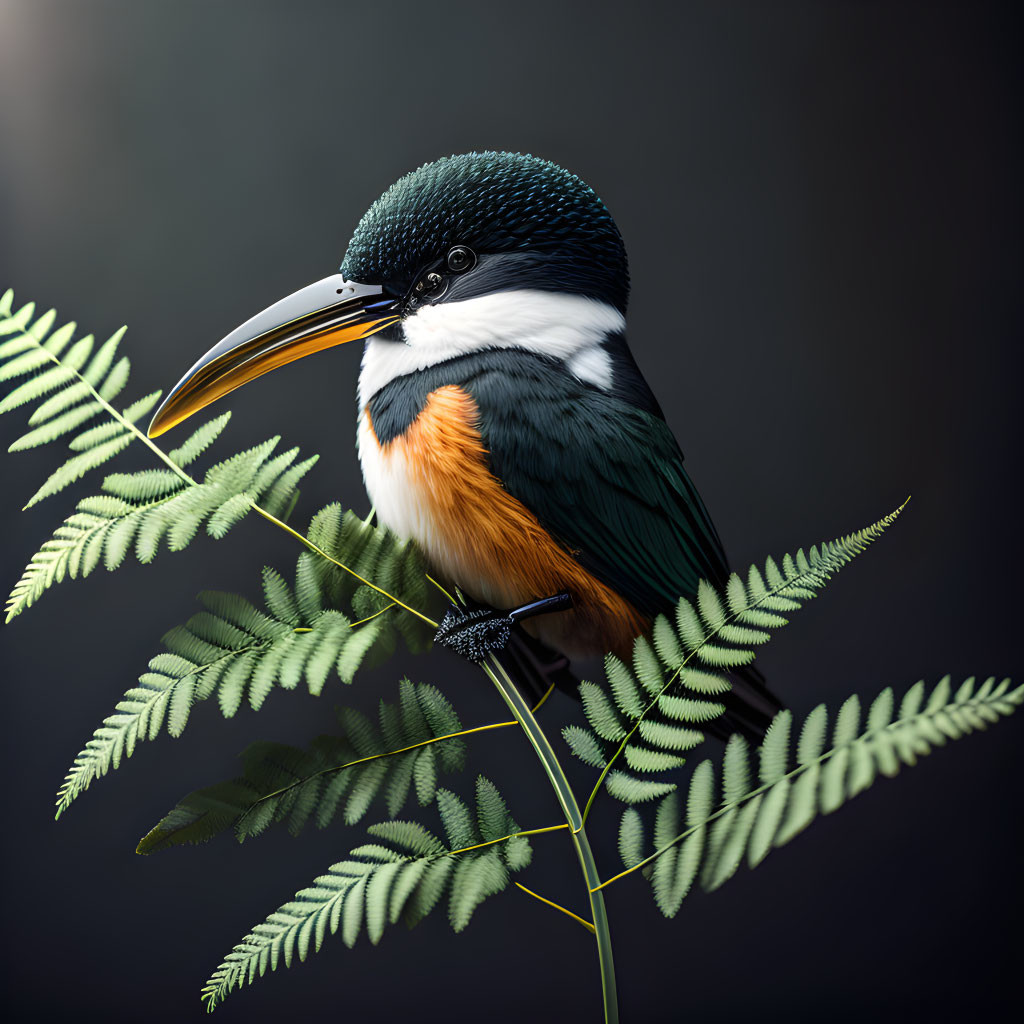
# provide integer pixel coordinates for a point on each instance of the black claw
(559, 603)
(476, 632)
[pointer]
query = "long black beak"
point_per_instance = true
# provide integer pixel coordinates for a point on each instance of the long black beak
(327, 313)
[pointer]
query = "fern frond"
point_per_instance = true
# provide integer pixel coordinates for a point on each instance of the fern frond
(754, 815)
(237, 652)
(73, 387)
(403, 875)
(337, 774)
(658, 706)
(69, 387)
(143, 509)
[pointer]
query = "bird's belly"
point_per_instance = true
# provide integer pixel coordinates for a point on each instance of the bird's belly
(433, 485)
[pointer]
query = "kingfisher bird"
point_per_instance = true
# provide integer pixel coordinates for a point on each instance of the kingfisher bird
(503, 424)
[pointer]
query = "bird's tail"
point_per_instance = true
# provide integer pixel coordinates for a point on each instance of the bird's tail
(749, 707)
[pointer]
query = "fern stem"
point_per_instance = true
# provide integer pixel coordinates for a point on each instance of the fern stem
(359, 622)
(511, 835)
(374, 757)
(547, 693)
(557, 906)
(570, 808)
(161, 455)
(430, 579)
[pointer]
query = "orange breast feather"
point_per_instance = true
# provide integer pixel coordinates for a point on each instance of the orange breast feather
(486, 541)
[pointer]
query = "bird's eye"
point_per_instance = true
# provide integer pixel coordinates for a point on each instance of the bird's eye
(461, 259)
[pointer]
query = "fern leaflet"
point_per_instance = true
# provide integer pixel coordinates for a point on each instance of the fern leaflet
(286, 784)
(677, 672)
(753, 815)
(238, 652)
(73, 387)
(402, 875)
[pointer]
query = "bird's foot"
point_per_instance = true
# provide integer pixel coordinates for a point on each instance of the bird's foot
(474, 632)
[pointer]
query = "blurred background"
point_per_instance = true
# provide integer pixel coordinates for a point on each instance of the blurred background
(822, 208)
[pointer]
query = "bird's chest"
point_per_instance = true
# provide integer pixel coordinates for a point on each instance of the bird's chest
(430, 483)
(418, 477)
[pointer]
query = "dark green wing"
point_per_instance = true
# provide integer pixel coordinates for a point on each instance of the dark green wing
(605, 477)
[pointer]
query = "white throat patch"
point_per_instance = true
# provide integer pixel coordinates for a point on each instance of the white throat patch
(566, 327)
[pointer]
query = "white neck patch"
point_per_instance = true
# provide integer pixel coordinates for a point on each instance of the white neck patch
(566, 327)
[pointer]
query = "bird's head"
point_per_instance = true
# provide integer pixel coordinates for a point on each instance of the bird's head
(471, 251)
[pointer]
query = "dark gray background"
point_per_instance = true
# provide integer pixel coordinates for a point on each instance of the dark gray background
(821, 205)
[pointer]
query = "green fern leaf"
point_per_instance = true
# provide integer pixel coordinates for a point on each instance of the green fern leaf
(750, 820)
(688, 625)
(600, 713)
(132, 414)
(631, 790)
(228, 513)
(667, 679)
(775, 748)
(25, 362)
(74, 550)
(199, 440)
(57, 427)
(287, 785)
(710, 606)
(666, 642)
(492, 815)
(235, 652)
(95, 373)
(629, 698)
(812, 736)
(12, 322)
(116, 380)
(475, 879)
(33, 389)
(78, 465)
(403, 875)
(643, 759)
(631, 837)
(669, 737)
(458, 823)
(73, 386)
(688, 709)
(585, 745)
(648, 671)
(143, 486)
(158, 503)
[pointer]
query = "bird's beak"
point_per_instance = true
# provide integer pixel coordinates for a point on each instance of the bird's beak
(329, 312)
